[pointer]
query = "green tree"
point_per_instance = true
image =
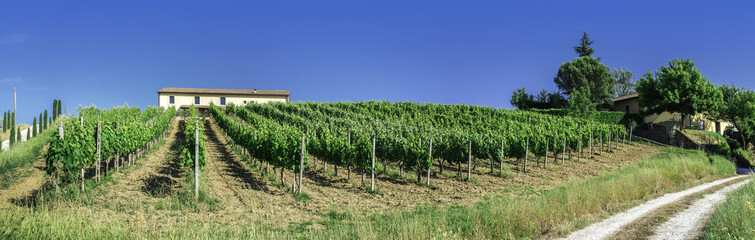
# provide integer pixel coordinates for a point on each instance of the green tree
(623, 82)
(39, 130)
(5, 121)
(12, 136)
(521, 100)
(678, 87)
(584, 49)
(579, 104)
(13, 119)
(28, 134)
(45, 119)
(586, 72)
(738, 107)
(34, 129)
(54, 109)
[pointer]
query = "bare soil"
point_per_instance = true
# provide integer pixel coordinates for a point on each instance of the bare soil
(147, 194)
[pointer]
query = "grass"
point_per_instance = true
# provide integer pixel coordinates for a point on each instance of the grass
(735, 219)
(20, 155)
(705, 137)
(4, 135)
(509, 216)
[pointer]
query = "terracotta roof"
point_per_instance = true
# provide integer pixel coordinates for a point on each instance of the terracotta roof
(625, 97)
(225, 91)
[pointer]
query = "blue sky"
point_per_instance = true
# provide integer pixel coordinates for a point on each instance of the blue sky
(475, 52)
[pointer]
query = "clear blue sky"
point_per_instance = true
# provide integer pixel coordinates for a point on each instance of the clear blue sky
(108, 53)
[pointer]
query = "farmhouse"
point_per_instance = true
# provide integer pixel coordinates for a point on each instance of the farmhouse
(202, 97)
(629, 104)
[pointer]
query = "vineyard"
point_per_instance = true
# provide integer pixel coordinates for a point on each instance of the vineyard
(118, 136)
(407, 135)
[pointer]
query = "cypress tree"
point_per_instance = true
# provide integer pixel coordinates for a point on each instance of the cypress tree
(28, 134)
(45, 119)
(54, 108)
(34, 129)
(12, 136)
(18, 135)
(39, 130)
(60, 108)
(5, 121)
(13, 119)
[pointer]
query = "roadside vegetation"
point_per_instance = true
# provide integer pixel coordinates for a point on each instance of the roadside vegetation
(735, 219)
(513, 214)
(20, 155)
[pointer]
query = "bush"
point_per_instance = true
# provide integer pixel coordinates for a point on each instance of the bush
(724, 148)
(733, 144)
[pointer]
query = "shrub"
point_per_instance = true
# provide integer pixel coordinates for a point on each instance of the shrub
(724, 148)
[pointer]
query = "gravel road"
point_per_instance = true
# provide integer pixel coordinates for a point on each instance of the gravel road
(607, 227)
(684, 224)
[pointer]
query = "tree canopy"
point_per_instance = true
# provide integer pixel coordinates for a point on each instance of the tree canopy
(623, 82)
(579, 104)
(738, 107)
(678, 87)
(586, 72)
(584, 49)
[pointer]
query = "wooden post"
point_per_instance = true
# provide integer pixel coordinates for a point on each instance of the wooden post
(545, 163)
(501, 166)
(590, 148)
(81, 121)
(99, 155)
(526, 153)
(349, 165)
(196, 159)
(630, 133)
(601, 144)
(372, 182)
(431, 162)
(301, 164)
(563, 152)
(469, 162)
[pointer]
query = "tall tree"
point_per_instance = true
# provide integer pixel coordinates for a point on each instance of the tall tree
(579, 104)
(738, 107)
(13, 119)
(678, 87)
(39, 130)
(586, 72)
(623, 82)
(521, 100)
(12, 136)
(584, 49)
(54, 109)
(5, 121)
(34, 129)
(45, 119)
(28, 134)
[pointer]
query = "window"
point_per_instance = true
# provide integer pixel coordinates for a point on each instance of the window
(196, 100)
(626, 108)
(244, 101)
(172, 99)
(222, 100)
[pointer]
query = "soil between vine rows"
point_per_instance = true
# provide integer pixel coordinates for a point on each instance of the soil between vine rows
(145, 194)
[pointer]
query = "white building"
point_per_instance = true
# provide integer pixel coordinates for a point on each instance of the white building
(202, 97)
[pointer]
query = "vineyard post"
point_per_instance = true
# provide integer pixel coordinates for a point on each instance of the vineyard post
(501, 166)
(590, 148)
(196, 159)
(563, 152)
(526, 153)
(545, 163)
(469, 162)
(617, 139)
(419, 169)
(431, 161)
(609, 141)
(81, 121)
(372, 182)
(349, 166)
(630, 133)
(301, 164)
(99, 156)
(601, 144)
(60, 132)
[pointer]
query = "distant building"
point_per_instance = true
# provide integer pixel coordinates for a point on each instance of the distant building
(630, 105)
(202, 97)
